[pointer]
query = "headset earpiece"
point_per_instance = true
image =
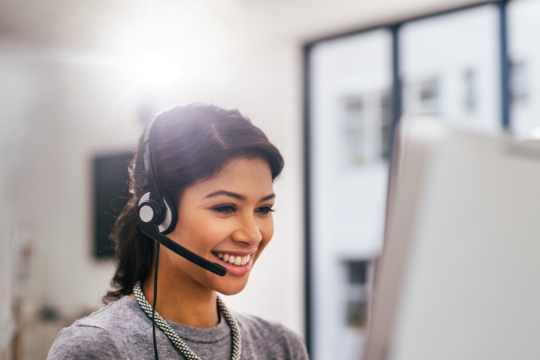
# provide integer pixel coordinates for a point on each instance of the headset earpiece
(149, 210)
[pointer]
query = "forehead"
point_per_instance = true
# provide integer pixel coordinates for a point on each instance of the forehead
(246, 176)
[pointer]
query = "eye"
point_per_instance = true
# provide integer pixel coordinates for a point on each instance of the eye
(265, 210)
(225, 209)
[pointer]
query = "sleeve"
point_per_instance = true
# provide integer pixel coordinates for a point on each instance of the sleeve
(296, 345)
(84, 343)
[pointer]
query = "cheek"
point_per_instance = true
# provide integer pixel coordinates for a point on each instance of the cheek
(267, 230)
(201, 230)
(266, 227)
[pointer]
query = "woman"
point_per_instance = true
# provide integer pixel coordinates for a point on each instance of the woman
(218, 169)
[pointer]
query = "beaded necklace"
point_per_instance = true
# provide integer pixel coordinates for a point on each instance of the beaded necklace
(177, 341)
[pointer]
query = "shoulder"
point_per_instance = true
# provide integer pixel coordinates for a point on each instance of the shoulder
(86, 342)
(113, 315)
(260, 326)
(95, 336)
(272, 335)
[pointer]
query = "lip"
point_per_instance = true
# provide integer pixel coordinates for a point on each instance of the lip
(233, 269)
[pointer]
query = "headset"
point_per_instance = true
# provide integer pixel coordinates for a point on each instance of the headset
(157, 216)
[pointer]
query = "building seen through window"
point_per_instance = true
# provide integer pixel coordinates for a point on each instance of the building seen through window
(423, 96)
(429, 94)
(367, 127)
(356, 293)
(458, 78)
(354, 130)
(518, 82)
(471, 97)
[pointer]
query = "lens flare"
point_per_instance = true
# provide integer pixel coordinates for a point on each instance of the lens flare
(156, 68)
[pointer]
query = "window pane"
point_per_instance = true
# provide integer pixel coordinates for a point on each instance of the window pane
(350, 125)
(450, 67)
(524, 67)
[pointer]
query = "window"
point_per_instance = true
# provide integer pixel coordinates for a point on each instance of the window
(438, 74)
(453, 65)
(350, 133)
(524, 67)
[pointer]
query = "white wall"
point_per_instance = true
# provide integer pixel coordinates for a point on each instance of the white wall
(62, 115)
(239, 53)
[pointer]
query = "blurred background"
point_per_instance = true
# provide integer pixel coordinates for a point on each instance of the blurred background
(327, 81)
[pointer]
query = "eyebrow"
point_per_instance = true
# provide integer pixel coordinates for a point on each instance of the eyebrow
(236, 195)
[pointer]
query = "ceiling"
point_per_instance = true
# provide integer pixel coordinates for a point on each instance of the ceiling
(104, 24)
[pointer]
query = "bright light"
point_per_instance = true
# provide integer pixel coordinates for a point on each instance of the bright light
(156, 68)
(536, 133)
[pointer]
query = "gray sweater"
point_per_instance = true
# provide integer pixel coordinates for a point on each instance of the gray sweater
(121, 330)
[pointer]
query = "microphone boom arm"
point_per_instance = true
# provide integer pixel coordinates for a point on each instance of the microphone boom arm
(153, 232)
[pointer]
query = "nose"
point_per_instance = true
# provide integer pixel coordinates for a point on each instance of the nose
(248, 232)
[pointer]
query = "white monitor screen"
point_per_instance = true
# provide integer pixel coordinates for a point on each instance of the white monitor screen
(459, 273)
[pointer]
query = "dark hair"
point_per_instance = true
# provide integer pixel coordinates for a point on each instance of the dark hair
(189, 144)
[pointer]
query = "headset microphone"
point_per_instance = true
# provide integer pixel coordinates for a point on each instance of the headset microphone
(157, 217)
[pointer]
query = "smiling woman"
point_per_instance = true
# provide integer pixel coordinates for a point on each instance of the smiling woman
(218, 170)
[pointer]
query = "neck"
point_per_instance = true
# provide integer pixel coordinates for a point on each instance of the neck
(180, 299)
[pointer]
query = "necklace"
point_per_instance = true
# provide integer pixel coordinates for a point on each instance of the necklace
(176, 340)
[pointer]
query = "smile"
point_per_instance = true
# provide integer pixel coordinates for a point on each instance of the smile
(236, 263)
(232, 259)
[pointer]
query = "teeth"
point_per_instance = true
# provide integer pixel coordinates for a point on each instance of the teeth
(234, 260)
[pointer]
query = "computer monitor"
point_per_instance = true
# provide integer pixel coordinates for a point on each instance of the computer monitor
(459, 276)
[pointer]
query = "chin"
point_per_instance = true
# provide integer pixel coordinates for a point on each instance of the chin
(228, 287)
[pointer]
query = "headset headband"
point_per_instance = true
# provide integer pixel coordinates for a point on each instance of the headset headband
(155, 194)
